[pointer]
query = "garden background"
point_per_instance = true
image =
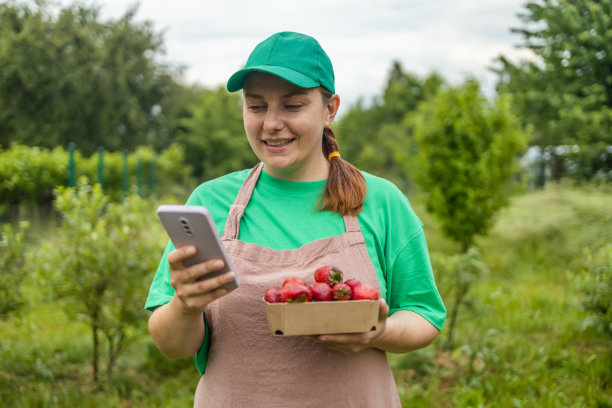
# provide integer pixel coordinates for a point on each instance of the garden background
(514, 191)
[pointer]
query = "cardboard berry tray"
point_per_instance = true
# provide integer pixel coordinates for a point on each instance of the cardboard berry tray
(354, 316)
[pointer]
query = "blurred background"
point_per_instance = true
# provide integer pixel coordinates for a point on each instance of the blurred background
(494, 118)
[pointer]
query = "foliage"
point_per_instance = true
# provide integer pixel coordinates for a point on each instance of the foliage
(214, 139)
(595, 282)
(455, 275)
(373, 138)
(67, 76)
(101, 263)
(30, 174)
(565, 92)
(466, 158)
(12, 273)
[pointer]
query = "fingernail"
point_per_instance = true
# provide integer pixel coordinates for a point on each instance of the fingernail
(218, 264)
(190, 250)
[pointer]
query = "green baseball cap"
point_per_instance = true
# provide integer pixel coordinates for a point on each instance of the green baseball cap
(295, 57)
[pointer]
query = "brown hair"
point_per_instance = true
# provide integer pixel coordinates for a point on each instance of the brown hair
(346, 187)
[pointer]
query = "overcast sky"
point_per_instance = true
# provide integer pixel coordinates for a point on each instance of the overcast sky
(213, 38)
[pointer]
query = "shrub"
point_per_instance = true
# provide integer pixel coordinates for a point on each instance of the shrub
(595, 282)
(12, 272)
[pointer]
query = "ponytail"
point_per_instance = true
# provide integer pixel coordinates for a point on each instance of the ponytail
(346, 187)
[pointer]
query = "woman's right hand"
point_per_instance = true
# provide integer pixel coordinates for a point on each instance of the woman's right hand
(193, 295)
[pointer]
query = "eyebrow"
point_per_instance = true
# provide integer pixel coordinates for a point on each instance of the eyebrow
(287, 95)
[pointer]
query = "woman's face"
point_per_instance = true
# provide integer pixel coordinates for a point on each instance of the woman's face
(284, 124)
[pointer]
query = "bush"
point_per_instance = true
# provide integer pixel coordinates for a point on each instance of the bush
(100, 263)
(12, 272)
(595, 282)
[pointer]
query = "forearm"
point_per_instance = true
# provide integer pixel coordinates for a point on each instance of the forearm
(406, 331)
(175, 333)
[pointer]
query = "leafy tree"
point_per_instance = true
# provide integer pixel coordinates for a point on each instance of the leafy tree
(214, 140)
(12, 273)
(373, 137)
(467, 152)
(100, 263)
(68, 76)
(565, 91)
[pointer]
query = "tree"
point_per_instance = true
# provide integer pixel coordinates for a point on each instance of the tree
(373, 137)
(100, 264)
(214, 140)
(565, 91)
(467, 151)
(67, 76)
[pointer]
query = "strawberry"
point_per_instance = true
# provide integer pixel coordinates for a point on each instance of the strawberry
(364, 292)
(294, 279)
(328, 274)
(321, 292)
(294, 293)
(352, 282)
(341, 291)
(273, 295)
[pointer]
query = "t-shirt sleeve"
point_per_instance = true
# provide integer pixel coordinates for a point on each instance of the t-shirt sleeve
(406, 267)
(411, 285)
(161, 291)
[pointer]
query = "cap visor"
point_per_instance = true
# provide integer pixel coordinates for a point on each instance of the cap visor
(236, 81)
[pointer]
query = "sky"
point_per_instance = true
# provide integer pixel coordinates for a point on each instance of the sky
(213, 38)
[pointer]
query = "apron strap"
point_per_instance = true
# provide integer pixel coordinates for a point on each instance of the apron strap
(232, 225)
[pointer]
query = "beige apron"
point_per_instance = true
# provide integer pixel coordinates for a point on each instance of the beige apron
(249, 367)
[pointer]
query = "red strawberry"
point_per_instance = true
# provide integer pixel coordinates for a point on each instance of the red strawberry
(364, 292)
(328, 274)
(273, 295)
(321, 292)
(294, 279)
(294, 292)
(341, 291)
(352, 283)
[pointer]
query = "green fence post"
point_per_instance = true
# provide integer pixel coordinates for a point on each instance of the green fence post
(139, 176)
(101, 166)
(125, 174)
(71, 165)
(152, 177)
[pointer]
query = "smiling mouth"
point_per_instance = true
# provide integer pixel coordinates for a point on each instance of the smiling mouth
(277, 143)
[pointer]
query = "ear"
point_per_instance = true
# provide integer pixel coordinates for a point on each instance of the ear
(332, 109)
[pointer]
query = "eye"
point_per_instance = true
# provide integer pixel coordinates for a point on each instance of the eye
(256, 108)
(292, 107)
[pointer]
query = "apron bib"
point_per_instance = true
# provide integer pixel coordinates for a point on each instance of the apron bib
(250, 367)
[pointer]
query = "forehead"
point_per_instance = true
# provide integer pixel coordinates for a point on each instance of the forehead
(260, 83)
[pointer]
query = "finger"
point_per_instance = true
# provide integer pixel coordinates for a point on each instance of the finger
(214, 283)
(383, 310)
(177, 256)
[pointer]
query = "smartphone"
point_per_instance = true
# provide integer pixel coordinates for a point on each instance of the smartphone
(193, 225)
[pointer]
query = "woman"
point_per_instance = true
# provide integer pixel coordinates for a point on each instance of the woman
(302, 207)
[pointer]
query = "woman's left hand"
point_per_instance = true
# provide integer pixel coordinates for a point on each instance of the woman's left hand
(349, 343)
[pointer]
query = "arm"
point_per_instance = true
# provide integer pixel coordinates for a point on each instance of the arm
(177, 328)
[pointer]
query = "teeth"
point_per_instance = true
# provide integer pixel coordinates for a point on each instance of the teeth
(278, 144)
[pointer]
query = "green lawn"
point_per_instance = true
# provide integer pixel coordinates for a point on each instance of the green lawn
(520, 340)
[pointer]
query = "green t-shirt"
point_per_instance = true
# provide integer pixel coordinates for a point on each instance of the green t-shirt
(282, 215)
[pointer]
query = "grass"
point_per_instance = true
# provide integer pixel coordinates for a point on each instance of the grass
(520, 340)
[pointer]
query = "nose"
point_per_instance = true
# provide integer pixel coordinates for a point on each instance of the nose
(273, 120)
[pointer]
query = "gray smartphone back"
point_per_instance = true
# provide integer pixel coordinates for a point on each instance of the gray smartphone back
(193, 225)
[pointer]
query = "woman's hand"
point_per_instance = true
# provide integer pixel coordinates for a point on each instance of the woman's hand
(401, 332)
(349, 343)
(192, 294)
(177, 328)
